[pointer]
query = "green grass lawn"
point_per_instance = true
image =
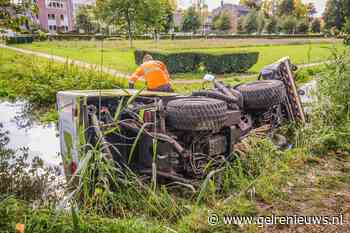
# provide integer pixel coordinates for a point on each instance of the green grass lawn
(117, 55)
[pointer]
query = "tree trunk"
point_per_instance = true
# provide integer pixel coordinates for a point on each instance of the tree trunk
(156, 35)
(130, 35)
(128, 20)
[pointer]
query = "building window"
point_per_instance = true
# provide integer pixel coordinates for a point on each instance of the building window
(54, 27)
(62, 17)
(51, 16)
(50, 27)
(61, 5)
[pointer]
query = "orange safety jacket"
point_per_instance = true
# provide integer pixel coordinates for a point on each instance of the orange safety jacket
(155, 73)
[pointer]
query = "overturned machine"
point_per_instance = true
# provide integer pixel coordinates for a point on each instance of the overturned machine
(185, 136)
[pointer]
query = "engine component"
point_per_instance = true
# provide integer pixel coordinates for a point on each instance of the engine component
(197, 114)
(235, 134)
(238, 95)
(228, 91)
(246, 124)
(270, 72)
(217, 145)
(233, 118)
(262, 94)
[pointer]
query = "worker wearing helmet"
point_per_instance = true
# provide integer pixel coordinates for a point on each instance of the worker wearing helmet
(155, 74)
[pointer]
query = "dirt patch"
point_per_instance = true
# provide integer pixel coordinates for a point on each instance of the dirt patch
(321, 189)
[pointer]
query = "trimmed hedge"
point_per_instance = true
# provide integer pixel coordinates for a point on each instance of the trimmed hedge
(217, 63)
(68, 36)
(231, 63)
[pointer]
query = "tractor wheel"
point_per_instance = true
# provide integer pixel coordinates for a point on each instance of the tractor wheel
(196, 114)
(218, 95)
(262, 94)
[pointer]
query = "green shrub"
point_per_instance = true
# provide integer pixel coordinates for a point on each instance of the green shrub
(176, 62)
(230, 63)
(347, 40)
(217, 63)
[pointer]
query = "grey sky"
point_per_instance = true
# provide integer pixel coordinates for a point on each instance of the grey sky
(320, 4)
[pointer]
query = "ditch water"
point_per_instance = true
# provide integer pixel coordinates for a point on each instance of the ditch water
(24, 132)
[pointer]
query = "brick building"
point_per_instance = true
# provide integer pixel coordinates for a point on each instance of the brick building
(234, 11)
(56, 15)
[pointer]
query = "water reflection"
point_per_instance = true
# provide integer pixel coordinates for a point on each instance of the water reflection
(40, 139)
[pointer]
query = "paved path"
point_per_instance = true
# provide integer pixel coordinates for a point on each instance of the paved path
(118, 73)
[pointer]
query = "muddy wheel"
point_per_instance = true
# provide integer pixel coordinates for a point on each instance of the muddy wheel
(262, 94)
(197, 114)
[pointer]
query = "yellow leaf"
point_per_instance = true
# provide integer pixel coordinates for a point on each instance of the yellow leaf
(20, 228)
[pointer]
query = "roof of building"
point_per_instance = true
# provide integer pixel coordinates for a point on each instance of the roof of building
(228, 6)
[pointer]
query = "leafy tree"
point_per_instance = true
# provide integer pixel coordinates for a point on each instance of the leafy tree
(85, 19)
(311, 9)
(271, 25)
(286, 7)
(315, 25)
(222, 22)
(13, 15)
(334, 14)
(125, 14)
(240, 25)
(133, 15)
(302, 26)
(157, 16)
(289, 24)
(225, 24)
(293, 7)
(261, 23)
(250, 22)
(252, 4)
(346, 30)
(346, 27)
(300, 9)
(191, 21)
(268, 7)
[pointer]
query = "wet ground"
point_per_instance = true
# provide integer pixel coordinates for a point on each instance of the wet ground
(41, 139)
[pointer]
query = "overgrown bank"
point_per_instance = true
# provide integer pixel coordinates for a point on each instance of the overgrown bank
(38, 80)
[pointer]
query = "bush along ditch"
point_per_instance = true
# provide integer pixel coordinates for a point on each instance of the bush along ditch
(217, 63)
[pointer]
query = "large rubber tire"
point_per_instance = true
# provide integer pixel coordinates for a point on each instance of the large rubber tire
(262, 94)
(197, 114)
